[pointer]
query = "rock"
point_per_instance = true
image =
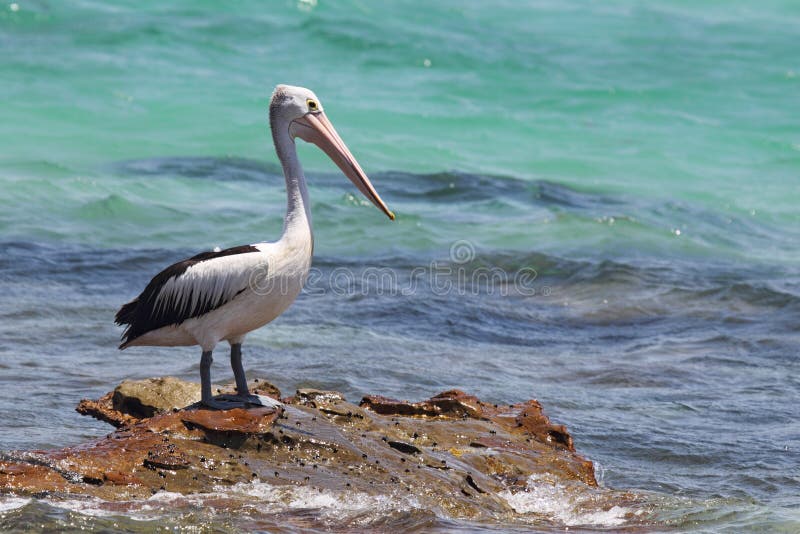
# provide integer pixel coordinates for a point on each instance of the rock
(133, 400)
(103, 409)
(231, 428)
(453, 403)
(451, 452)
(151, 396)
(166, 457)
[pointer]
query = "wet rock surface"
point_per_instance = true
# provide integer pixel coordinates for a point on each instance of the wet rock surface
(451, 452)
(146, 398)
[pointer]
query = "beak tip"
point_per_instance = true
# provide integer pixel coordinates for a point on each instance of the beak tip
(391, 215)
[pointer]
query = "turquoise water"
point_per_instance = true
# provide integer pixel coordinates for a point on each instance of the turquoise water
(642, 158)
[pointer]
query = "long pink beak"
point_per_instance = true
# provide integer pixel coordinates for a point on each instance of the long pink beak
(316, 128)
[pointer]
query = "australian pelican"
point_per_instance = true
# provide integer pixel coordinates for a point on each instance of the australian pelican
(223, 295)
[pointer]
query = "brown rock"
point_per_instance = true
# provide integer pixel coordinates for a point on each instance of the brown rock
(452, 403)
(163, 456)
(146, 398)
(231, 427)
(134, 400)
(103, 409)
(452, 452)
(532, 419)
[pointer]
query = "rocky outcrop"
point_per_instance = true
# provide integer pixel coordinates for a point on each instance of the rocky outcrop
(146, 398)
(452, 452)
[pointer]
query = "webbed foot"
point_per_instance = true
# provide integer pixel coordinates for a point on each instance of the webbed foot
(244, 401)
(221, 403)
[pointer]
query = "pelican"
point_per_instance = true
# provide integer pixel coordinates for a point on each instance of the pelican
(222, 295)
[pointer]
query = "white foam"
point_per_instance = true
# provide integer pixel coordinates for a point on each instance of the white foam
(93, 507)
(166, 496)
(331, 504)
(7, 503)
(154, 507)
(567, 505)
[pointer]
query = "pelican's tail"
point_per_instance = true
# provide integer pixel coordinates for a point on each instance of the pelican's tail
(126, 316)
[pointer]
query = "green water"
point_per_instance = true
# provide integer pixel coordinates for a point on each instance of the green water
(644, 157)
(683, 101)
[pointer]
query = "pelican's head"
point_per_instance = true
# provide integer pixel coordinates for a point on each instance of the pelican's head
(301, 110)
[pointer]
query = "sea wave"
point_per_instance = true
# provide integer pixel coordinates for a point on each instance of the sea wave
(541, 504)
(598, 287)
(566, 506)
(9, 503)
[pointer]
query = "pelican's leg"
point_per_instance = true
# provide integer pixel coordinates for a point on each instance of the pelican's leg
(243, 394)
(205, 378)
(238, 370)
(205, 384)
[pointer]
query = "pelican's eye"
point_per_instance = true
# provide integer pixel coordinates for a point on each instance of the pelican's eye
(312, 105)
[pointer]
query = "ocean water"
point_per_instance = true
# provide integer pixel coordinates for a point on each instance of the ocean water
(597, 207)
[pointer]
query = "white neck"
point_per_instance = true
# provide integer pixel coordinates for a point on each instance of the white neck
(297, 222)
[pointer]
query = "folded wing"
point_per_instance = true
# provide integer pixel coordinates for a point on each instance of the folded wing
(188, 289)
